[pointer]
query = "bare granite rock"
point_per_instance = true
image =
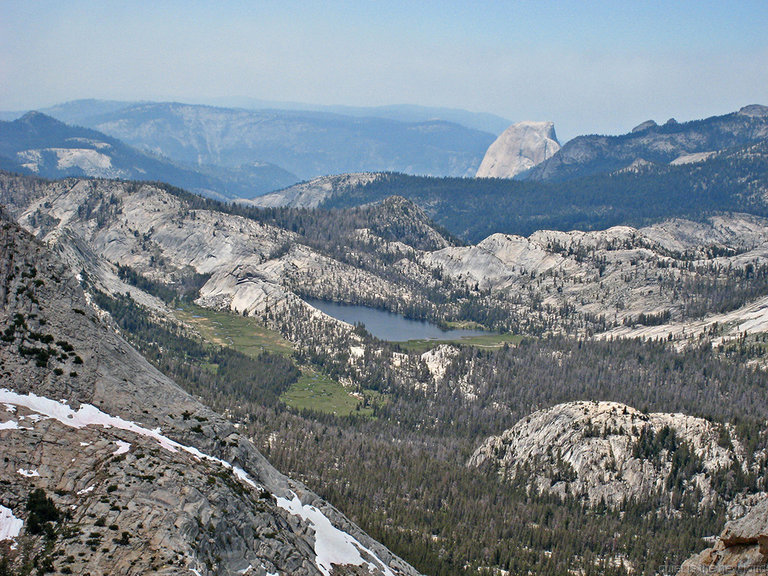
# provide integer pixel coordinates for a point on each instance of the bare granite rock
(519, 148)
(609, 452)
(742, 548)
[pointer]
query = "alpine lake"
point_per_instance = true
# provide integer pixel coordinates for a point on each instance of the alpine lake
(411, 334)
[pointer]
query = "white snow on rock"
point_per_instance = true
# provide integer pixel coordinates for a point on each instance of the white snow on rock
(9, 425)
(89, 415)
(10, 526)
(519, 148)
(122, 447)
(28, 473)
(332, 546)
(85, 491)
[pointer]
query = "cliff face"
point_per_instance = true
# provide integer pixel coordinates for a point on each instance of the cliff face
(605, 451)
(137, 477)
(519, 148)
(742, 548)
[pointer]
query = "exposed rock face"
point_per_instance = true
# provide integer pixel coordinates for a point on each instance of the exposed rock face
(644, 126)
(755, 110)
(588, 270)
(519, 148)
(252, 266)
(313, 193)
(151, 480)
(741, 549)
(692, 158)
(607, 451)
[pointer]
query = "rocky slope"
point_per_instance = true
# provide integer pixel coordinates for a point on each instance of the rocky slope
(252, 266)
(609, 452)
(742, 548)
(650, 142)
(674, 278)
(519, 148)
(634, 276)
(313, 193)
(137, 477)
(638, 192)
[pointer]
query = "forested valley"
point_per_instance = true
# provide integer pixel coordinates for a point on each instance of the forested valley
(400, 471)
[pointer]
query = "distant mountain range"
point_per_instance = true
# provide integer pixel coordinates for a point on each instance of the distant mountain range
(651, 143)
(306, 143)
(79, 111)
(39, 144)
(694, 183)
(231, 153)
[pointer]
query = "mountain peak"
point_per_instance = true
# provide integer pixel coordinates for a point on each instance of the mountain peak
(754, 110)
(35, 118)
(518, 148)
(644, 126)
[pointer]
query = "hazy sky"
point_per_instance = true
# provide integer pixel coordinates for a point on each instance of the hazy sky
(588, 66)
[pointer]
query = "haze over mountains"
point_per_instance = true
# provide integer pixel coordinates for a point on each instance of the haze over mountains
(304, 142)
(649, 142)
(39, 144)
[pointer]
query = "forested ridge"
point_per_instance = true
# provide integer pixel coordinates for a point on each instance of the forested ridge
(731, 181)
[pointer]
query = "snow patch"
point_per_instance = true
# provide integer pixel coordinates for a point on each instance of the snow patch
(122, 447)
(85, 491)
(332, 546)
(10, 526)
(9, 425)
(89, 415)
(28, 473)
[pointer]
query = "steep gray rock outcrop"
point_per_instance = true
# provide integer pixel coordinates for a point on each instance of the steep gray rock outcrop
(519, 148)
(742, 548)
(610, 452)
(143, 478)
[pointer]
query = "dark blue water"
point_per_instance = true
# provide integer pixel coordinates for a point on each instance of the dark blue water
(389, 326)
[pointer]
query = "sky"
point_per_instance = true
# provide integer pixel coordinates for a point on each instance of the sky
(589, 66)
